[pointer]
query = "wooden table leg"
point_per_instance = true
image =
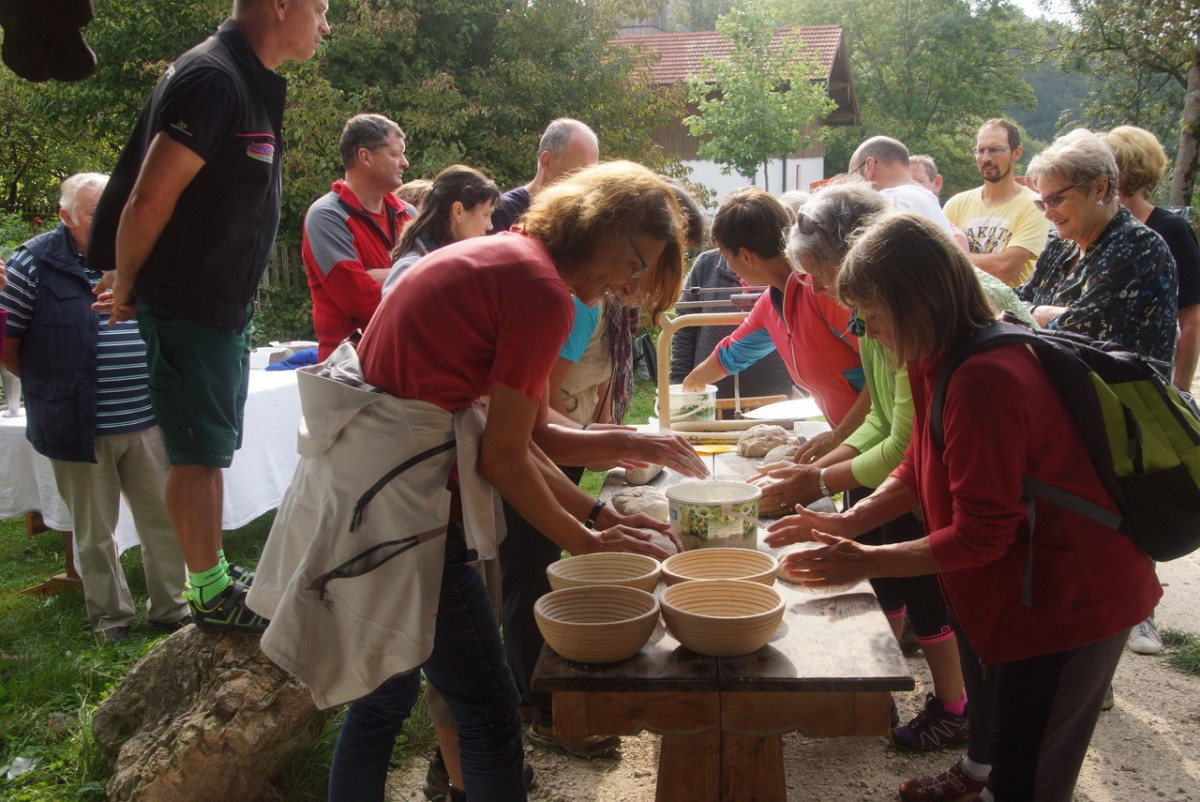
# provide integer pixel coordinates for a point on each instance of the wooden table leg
(689, 768)
(69, 578)
(752, 768)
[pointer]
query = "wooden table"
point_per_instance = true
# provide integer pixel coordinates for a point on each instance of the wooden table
(828, 671)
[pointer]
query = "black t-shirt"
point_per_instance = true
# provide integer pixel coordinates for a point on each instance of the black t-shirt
(1181, 241)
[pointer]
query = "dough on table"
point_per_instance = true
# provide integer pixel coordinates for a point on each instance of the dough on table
(661, 540)
(649, 500)
(760, 439)
(783, 453)
(642, 476)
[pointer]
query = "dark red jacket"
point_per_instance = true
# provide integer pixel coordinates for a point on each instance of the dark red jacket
(341, 243)
(1004, 419)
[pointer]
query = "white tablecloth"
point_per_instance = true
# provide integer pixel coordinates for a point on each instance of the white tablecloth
(254, 484)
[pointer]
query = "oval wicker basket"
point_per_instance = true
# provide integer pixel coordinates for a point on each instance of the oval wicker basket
(597, 624)
(722, 617)
(631, 570)
(754, 566)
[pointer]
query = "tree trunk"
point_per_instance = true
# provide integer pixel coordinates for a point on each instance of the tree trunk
(1189, 137)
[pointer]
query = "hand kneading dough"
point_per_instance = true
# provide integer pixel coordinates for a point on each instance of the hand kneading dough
(783, 453)
(661, 540)
(760, 439)
(649, 500)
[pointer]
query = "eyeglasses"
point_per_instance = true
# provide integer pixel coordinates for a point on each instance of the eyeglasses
(808, 225)
(993, 152)
(638, 272)
(859, 168)
(1054, 199)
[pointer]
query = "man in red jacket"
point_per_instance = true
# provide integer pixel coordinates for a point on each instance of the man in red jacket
(349, 233)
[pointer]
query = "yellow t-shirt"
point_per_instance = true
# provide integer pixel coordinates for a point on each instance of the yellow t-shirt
(991, 229)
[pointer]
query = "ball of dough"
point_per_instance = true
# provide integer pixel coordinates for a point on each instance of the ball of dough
(760, 439)
(661, 540)
(642, 476)
(783, 453)
(649, 500)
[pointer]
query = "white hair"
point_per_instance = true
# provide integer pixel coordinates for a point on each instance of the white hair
(71, 186)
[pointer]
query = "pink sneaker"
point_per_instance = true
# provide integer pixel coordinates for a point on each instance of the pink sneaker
(953, 785)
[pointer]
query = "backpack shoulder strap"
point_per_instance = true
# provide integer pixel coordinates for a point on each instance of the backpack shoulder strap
(998, 333)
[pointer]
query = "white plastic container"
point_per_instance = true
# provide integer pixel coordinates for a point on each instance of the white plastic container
(715, 512)
(692, 406)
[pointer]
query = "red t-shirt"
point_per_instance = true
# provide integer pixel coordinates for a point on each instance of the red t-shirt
(481, 311)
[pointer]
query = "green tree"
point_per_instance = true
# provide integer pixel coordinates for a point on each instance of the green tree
(696, 15)
(758, 102)
(927, 72)
(1149, 55)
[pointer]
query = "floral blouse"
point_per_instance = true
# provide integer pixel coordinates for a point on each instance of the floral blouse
(1124, 289)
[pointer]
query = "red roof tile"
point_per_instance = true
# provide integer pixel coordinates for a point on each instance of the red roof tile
(680, 53)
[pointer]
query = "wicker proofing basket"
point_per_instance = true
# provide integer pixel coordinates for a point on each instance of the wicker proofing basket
(722, 617)
(597, 624)
(754, 566)
(631, 570)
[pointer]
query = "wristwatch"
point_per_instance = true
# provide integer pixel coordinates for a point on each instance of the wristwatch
(597, 508)
(824, 488)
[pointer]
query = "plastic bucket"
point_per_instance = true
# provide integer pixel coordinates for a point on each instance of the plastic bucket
(692, 406)
(715, 512)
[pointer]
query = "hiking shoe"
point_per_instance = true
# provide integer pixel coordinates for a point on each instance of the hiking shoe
(228, 613)
(113, 634)
(437, 779)
(171, 626)
(953, 785)
(585, 746)
(1144, 638)
(931, 729)
(1109, 700)
(239, 574)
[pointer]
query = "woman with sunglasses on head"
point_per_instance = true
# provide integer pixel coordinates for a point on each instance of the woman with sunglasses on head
(367, 575)
(1107, 275)
(810, 330)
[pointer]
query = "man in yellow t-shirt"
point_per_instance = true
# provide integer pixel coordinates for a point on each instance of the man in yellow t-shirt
(1005, 231)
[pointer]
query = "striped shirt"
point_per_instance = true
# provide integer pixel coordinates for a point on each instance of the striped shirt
(123, 397)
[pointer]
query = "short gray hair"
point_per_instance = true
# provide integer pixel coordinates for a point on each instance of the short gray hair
(834, 214)
(558, 134)
(884, 149)
(369, 131)
(927, 164)
(71, 186)
(1079, 157)
(795, 199)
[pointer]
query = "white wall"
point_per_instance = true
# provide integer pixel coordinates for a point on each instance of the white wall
(801, 173)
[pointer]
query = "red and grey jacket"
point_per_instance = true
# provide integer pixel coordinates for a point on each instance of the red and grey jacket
(341, 243)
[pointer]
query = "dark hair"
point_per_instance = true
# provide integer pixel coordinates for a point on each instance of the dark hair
(459, 183)
(695, 230)
(754, 219)
(922, 279)
(1014, 133)
(368, 131)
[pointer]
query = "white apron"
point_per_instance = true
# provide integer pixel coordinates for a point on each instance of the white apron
(351, 572)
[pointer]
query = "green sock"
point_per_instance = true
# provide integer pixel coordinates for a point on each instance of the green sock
(221, 561)
(208, 584)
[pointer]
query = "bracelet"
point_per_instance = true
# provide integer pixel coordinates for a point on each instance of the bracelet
(824, 488)
(597, 508)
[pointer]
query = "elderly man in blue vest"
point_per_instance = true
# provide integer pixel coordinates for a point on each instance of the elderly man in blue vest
(88, 409)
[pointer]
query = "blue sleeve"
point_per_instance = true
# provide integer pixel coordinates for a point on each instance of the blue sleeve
(581, 331)
(741, 354)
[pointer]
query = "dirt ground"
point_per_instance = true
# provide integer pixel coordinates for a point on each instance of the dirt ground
(1144, 749)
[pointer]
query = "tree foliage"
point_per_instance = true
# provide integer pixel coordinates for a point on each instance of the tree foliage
(473, 81)
(927, 72)
(1149, 57)
(757, 103)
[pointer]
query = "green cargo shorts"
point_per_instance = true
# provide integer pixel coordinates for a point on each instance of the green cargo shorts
(199, 377)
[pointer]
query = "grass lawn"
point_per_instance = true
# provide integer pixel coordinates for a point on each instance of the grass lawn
(53, 671)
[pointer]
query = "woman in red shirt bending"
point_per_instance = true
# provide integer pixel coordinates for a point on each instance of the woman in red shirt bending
(1053, 652)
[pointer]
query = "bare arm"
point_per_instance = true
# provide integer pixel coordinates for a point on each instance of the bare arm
(823, 443)
(558, 374)
(890, 500)
(379, 273)
(707, 372)
(840, 561)
(168, 169)
(1005, 265)
(1187, 350)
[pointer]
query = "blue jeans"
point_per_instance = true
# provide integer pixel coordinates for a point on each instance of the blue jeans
(468, 667)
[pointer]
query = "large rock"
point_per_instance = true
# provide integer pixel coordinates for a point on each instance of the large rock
(203, 717)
